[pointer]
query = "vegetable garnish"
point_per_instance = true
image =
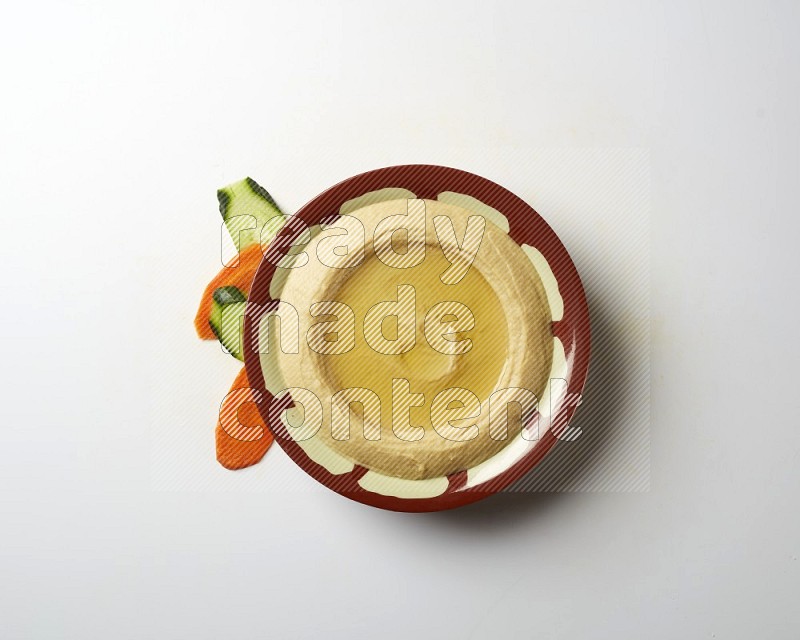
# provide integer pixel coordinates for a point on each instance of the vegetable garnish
(253, 219)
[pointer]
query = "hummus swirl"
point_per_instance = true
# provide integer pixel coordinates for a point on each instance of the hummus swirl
(507, 344)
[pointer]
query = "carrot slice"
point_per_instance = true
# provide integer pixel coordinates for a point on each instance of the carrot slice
(241, 435)
(240, 276)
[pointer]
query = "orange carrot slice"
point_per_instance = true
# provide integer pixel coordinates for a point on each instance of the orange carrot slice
(242, 437)
(240, 276)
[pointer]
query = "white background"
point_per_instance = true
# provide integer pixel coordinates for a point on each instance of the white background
(117, 125)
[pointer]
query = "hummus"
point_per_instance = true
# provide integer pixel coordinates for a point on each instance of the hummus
(423, 330)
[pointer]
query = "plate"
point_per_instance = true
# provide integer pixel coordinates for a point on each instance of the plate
(570, 328)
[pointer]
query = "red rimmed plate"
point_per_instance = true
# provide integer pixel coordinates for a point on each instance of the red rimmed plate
(571, 330)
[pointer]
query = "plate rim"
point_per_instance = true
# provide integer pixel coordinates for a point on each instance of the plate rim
(427, 181)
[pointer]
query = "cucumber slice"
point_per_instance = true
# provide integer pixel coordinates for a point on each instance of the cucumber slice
(244, 205)
(227, 309)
